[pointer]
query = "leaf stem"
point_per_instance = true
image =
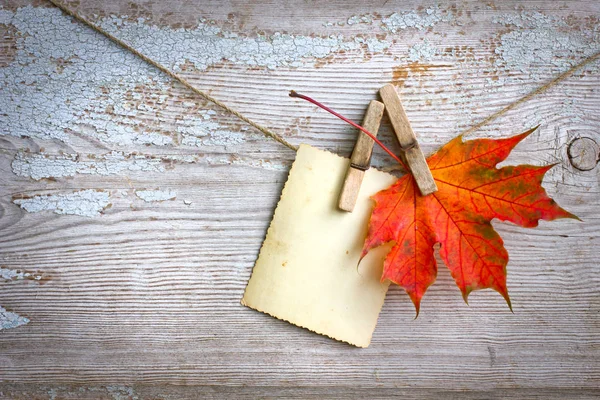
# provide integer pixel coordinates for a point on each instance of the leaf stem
(324, 107)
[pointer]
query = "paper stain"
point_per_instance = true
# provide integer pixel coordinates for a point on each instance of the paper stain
(10, 320)
(11, 275)
(86, 203)
(155, 195)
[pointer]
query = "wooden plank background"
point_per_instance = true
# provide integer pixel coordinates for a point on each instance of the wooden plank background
(121, 296)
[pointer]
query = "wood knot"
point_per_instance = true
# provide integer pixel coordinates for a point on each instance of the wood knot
(584, 153)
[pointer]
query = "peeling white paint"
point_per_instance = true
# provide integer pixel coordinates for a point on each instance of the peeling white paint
(52, 393)
(183, 158)
(39, 166)
(229, 159)
(529, 48)
(543, 41)
(235, 159)
(66, 77)
(208, 45)
(9, 320)
(374, 46)
(423, 51)
(87, 203)
(399, 21)
(360, 19)
(122, 392)
(414, 19)
(9, 275)
(203, 131)
(155, 195)
(264, 164)
(5, 16)
(114, 392)
(55, 82)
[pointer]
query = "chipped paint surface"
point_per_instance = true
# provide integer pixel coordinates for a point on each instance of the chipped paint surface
(235, 159)
(399, 21)
(75, 85)
(544, 42)
(264, 164)
(9, 320)
(73, 79)
(87, 203)
(38, 166)
(361, 19)
(114, 392)
(205, 131)
(81, 74)
(423, 51)
(9, 275)
(69, 95)
(448, 83)
(208, 45)
(121, 392)
(155, 195)
(414, 19)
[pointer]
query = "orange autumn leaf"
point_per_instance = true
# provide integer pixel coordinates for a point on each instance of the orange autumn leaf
(472, 191)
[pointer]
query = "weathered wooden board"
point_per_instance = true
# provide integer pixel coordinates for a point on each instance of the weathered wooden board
(132, 289)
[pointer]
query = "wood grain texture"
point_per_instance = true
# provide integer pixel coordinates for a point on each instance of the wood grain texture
(361, 156)
(143, 300)
(415, 159)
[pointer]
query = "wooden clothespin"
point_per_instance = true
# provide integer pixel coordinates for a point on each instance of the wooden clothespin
(361, 157)
(408, 141)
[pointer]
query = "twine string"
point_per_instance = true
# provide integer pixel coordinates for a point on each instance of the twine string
(553, 82)
(277, 137)
(266, 131)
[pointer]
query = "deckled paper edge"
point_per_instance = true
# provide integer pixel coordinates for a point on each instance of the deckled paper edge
(243, 302)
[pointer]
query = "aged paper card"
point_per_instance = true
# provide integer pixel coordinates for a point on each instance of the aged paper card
(306, 272)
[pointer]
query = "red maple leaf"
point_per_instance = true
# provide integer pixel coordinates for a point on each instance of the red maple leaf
(472, 191)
